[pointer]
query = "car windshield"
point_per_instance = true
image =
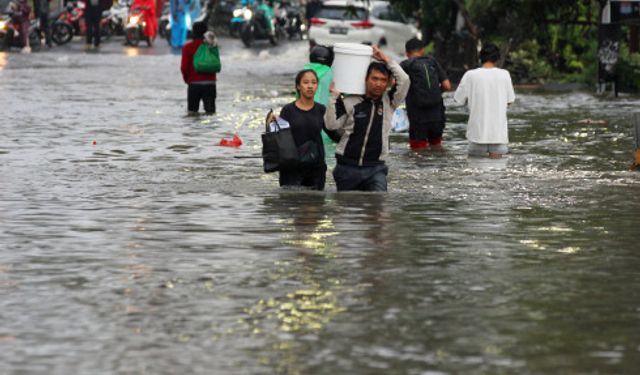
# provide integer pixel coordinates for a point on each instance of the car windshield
(348, 13)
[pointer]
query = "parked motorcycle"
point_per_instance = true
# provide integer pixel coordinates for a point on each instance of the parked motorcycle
(10, 33)
(134, 31)
(68, 23)
(113, 19)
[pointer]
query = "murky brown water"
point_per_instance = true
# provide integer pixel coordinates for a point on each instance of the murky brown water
(155, 251)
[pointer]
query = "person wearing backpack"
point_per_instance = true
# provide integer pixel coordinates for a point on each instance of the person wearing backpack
(425, 107)
(200, 63)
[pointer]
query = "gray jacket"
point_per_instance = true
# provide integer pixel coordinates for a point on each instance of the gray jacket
(365, 124)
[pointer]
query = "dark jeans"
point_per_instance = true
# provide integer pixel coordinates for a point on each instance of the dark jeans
(92, 19)
(313, 178)
(44, 26)
(204, 92)
(349, 177)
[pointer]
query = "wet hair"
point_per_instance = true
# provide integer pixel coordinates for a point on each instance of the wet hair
(489, 53)
(301, 74)
(380, 67)
(413, 44)
(198, 29)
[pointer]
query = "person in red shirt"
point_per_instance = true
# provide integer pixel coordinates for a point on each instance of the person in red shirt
(202, 86)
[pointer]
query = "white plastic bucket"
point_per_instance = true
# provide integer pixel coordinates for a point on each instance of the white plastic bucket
(350, 67)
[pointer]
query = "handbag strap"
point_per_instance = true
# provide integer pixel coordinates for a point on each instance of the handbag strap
(267, 123)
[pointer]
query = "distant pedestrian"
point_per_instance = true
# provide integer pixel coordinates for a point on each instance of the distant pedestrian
(202, 86)
(487, 91)
(365, 123)
(306, 119)
(179, 10)
(92, 15)
(41, 11)
(21, 15)
(425, 107)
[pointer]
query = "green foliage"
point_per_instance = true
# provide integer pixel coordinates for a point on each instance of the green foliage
(629, 69)
(526, 66)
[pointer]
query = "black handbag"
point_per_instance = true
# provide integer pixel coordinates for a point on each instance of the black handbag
(279, 150)
(310, 154)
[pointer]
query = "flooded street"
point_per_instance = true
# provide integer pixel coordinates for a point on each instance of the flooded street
(156, 251)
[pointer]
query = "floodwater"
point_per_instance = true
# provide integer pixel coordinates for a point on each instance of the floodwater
(155, 251)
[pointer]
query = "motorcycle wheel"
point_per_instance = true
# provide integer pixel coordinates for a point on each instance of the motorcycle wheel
(5, 43)
(273, 40)
(107, 31)
(35, 42)
(61, 33)
(234, 30)
(247, 36)
(132, 37)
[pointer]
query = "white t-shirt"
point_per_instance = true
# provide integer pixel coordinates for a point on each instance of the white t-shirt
(487, 92)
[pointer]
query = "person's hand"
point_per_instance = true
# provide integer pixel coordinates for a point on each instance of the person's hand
(379, 55)
(333, 90)
(272, 117)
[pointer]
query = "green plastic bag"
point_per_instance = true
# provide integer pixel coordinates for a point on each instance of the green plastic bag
(207, 59)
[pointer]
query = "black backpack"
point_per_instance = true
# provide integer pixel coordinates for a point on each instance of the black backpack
(425, 83)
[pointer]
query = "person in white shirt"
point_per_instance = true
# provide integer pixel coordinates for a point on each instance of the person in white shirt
(487, 91)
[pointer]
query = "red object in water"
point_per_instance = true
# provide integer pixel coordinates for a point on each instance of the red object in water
(235, 142)
(94, 142)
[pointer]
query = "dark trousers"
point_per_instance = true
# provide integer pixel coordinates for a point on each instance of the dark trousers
(313, 178)
(349, 177)
(92, 19)
(44, 26)
(426, 124)
(206, 93)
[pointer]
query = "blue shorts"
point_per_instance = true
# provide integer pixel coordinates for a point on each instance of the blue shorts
(483, 149)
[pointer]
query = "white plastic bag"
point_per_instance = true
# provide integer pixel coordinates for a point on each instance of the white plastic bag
(400, 121)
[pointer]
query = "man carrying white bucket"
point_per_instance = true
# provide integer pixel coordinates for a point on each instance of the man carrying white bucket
(364, 119)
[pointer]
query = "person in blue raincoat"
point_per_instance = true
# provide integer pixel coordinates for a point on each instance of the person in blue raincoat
(179, 10)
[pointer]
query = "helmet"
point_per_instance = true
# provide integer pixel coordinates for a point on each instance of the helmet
(322, 55)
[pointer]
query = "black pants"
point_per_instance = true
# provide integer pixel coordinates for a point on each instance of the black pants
(349, 177)
(204, 92)
(92, 19)
(44, 26)
(426, 130)
(313, 178)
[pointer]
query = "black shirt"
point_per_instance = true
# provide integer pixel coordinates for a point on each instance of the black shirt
(305, 125)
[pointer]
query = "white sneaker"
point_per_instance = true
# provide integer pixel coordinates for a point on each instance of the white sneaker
(26, 49)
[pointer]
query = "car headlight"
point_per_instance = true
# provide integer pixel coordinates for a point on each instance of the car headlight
(238, 12)
(247, 14)
(134, 19)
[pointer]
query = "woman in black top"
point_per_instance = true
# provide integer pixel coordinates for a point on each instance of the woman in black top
(306, 118)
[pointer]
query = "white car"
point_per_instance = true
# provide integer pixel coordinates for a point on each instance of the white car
(371, 22)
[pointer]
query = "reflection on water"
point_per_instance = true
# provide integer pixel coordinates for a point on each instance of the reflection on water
(156, 251)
